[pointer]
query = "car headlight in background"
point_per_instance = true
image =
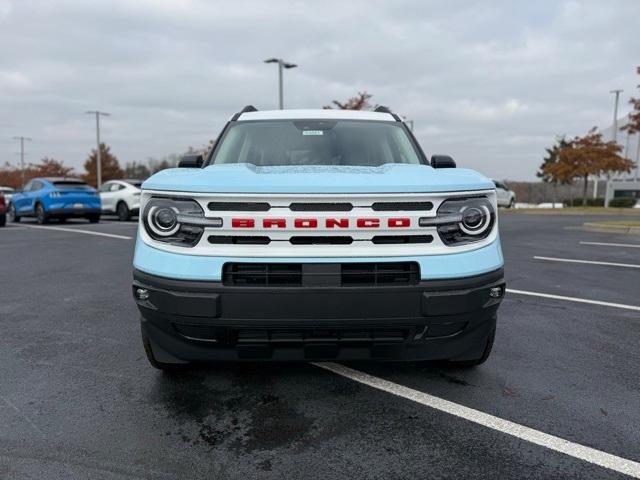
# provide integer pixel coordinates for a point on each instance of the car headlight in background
(463, 220)
(176, 221)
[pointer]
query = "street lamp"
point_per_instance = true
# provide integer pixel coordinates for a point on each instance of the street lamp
(22, 140)
(617, 93)
(98, 157)
(281, 64)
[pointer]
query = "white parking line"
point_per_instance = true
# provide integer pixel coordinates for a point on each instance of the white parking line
(574, 299)
(86, 232)
(631, 245)
(588, 454)
(589, 262)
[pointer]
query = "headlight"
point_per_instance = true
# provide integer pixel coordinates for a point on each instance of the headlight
(463, 220)
(176, 221)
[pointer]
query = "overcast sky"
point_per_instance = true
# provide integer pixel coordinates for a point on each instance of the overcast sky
(490, 83)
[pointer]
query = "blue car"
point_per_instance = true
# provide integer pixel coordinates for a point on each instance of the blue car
(61, 198)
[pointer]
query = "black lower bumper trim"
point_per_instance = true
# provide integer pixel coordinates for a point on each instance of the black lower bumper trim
(195, 320)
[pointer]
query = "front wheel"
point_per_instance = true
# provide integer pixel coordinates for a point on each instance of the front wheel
(3, 220)
(124, 215)
(41, 215)
(93, 218)
(512, 203)
(12, 214)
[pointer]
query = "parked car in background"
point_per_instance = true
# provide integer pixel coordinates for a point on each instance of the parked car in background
(121, 197)
(61, 198)
(3, 210)
(506, 196)
(7, 192)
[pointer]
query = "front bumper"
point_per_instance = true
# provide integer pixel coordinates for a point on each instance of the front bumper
(190, 321)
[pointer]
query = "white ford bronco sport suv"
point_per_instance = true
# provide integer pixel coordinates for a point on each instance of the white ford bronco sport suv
(317, 235)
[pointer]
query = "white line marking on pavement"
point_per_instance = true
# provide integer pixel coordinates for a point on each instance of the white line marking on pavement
(574, 299)
(588, 454)
(631, 245)
(589, 262)
(86, 232)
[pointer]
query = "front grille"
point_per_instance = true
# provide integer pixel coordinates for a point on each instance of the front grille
(262, 274)
(333, 275)
(399, 273)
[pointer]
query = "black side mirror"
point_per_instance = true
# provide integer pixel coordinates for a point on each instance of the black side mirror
(442, 161)
(191, 160)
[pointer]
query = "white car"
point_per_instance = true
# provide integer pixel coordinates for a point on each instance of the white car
(7, 192)
(121, 197)
(506, 197)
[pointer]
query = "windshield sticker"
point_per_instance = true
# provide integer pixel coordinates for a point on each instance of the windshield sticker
(312, 132)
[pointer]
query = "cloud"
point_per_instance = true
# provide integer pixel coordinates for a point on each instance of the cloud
(491, 83)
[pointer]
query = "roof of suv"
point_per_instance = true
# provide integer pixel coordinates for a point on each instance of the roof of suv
(316, 114)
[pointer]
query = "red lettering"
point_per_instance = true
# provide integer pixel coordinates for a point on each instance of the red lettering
(399, 222)
(337, 222)
(242, 223)
(274, 222)
(305, 223)
(368, 223)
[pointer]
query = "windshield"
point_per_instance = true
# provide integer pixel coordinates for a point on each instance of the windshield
(315, 142)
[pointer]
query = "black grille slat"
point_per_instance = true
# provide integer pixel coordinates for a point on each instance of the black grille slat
(239, 206)
(321, 207)
(328, 240)
(346, 274)
(400, 239)
(238, 240)
(401, 206)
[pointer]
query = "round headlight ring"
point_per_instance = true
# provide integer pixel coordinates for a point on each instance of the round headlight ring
(163, 220)
(478, 219)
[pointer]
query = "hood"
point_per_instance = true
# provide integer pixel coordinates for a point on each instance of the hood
(248, 178)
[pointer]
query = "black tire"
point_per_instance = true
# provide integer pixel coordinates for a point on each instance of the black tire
(41, 215)
(93, 218)
(12, 214)
(479, 361)
(512, 203)
(3, 220)
(62, 219)
(165, 367)
(124, 215)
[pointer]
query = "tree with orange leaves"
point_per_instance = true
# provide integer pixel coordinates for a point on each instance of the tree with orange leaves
(633, 126)
(11, 176)
(588, 155)
(359, 102)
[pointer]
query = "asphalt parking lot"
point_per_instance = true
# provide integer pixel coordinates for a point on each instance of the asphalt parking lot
(78, 399)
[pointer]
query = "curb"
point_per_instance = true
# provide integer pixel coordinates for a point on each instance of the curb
(599, 227)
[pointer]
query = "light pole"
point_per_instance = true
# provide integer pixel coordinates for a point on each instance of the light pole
(281, 64)
(617, 93)
(98, 156)
(22, 140)
(615, 113)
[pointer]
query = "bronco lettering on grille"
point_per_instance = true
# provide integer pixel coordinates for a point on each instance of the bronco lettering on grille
(311, 223)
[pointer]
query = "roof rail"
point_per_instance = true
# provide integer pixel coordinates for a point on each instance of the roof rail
(248, 108)
(383, 109)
